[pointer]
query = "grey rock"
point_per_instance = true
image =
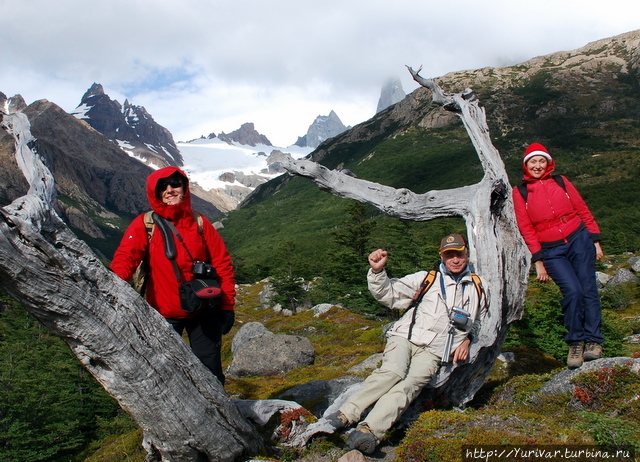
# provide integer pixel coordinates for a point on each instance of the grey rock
(623, 275)
(246, 135)
(248, 332)
(561, 382)
(327, 390)
(259, 352)
(266, 295)
(602, 278)
(321, 309)
(260, 411)
(323, 128)
(370, 363)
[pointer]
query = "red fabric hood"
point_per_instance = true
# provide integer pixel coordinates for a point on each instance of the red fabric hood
(170, 212)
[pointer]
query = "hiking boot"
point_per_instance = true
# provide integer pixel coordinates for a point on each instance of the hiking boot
(362, 439)
(338, 420)
(592, 351)
(574, 358)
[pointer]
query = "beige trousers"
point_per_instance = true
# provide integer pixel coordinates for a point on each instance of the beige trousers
(405, 370)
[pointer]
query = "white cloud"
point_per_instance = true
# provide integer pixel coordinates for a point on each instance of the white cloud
(202, 66)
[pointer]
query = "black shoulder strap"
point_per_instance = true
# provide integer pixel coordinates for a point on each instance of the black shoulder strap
(560, 181)
(522, 187)
(169, 245)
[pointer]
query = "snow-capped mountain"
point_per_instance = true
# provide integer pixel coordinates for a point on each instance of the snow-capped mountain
(223, 169)
(225, 173)
(128, 126)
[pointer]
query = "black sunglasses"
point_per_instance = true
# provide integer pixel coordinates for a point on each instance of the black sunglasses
(173, 182)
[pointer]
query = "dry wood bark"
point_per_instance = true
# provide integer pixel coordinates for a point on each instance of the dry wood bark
(497, 251)
(124, 343)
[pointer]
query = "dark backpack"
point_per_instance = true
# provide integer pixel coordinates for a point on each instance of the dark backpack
(523, 187)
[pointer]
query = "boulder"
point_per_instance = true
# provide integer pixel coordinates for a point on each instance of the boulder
(623, 275)
(247, 332)
(561, 382)
(602, 278)
(318, 395)
(259, 352)
(321, 309)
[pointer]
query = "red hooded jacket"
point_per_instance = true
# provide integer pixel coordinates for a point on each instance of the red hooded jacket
(162, 285)
(551, 216)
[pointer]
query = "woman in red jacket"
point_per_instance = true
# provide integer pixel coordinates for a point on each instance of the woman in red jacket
(169, 197)
(564, 240)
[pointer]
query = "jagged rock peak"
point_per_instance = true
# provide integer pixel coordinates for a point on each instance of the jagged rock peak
(95, 90)
(323, 128)
(3, 102)
(245, 135)
(11, 105)
(391, 93)
(131, 127)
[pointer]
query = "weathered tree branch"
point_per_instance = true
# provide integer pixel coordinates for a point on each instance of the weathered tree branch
(399, 203)
(123, 342)
(497, 251)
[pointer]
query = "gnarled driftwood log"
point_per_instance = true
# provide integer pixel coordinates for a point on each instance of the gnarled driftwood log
(124, 343)
(497, 250)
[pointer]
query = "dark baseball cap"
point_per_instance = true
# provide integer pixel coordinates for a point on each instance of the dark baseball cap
(452, 242)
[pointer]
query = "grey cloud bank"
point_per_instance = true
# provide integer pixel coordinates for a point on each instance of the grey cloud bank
(203, 66)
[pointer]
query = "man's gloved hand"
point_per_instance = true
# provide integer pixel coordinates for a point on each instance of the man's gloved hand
(227, 318)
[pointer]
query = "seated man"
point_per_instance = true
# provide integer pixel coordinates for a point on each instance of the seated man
(417, 341)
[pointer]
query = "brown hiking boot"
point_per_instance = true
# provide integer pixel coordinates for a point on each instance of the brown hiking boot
(338, 420)
(592, 351)
(574, 358)
(362, 439)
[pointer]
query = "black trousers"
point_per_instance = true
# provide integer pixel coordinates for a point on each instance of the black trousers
(205, 338)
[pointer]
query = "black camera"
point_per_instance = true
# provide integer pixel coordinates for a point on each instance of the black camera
(461, 319)
(202, 270)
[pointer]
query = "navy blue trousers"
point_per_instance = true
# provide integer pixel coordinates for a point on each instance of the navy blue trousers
(572, 268)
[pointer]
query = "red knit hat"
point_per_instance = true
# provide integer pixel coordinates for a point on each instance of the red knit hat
(536, 149)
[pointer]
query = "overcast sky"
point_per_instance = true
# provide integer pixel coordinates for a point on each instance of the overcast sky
(202, 66)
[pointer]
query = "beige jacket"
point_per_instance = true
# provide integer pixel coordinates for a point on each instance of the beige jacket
(432, 319)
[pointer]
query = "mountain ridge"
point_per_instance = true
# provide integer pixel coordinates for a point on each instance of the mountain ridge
(130, 127)
(584, 105)
(583, 102)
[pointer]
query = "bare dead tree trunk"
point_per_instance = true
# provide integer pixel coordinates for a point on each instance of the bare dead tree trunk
(497, 250)
(123, 342)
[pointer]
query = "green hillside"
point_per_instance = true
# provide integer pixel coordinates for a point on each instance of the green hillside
(587, 115)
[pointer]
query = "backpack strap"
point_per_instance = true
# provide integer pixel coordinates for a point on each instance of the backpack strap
(149, 223)
(522, 187)
(477, 282)
(523, 191)
(199, 220)
(417, 298)
(560, 181)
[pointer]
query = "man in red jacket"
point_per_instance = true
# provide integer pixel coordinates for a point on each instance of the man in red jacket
(169, 197)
